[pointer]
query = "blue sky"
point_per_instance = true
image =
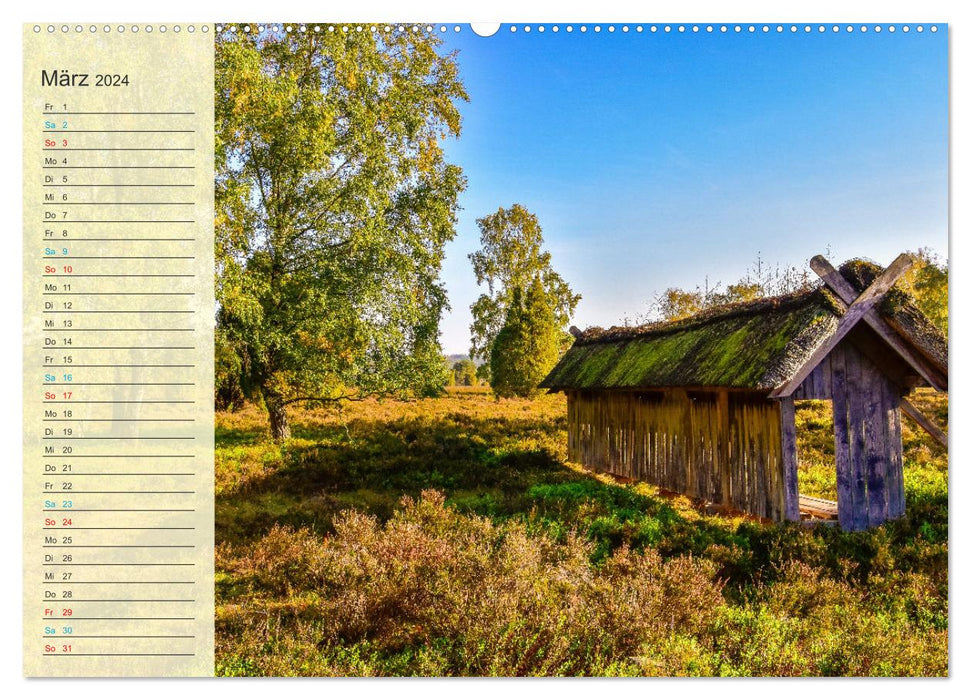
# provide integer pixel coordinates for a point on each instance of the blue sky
(655, 160)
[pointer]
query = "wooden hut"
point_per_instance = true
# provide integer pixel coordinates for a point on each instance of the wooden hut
(704, 406)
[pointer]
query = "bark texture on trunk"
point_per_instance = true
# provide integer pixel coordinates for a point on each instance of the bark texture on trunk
(279, 423)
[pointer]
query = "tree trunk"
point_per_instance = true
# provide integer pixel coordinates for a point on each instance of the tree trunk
(279, 424)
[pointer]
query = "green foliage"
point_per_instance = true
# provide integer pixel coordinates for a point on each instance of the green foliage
(483, 373)
(511, 257)
(927, 283)
(464, 373)
(532, 566)
(333, 205)
(228, 370)
(528, 345)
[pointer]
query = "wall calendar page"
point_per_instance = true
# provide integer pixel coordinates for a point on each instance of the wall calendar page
(549, 349)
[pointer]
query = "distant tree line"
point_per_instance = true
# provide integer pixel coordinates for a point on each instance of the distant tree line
(464, 373)
(926, 282)
(759, 281)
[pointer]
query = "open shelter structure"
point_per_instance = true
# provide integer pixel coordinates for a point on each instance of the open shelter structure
(704, 406)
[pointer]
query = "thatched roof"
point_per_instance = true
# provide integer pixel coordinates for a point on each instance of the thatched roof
(755, 345)
(899, 310)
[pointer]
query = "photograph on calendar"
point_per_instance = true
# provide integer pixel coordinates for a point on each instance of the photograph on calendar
(581, 350)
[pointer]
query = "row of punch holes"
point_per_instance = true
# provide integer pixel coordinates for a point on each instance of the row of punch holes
(512, 28)
(121, 28)
(581, 28)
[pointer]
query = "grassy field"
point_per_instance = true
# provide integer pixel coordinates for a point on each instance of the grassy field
(450, 536)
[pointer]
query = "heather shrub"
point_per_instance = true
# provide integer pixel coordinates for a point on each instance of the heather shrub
(477, 597)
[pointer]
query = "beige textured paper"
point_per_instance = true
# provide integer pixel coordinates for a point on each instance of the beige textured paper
(118, 328)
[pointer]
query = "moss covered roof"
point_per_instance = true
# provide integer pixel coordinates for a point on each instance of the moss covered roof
(755, 345)
(900, 312)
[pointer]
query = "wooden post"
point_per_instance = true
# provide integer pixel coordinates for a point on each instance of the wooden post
(724, 447)
(856, 421)
(844, 497)
(923, 421)
(790, 460)
(688, 445)
(895, 471)
(875, 422)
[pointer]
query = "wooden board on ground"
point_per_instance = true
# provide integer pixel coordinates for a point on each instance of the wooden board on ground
(817, 508)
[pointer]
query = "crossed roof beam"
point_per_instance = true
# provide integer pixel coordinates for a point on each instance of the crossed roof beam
(862, 307)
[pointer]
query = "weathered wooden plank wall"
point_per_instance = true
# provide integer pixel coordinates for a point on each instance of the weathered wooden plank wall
(720, 446)
(868, 413)
(819, 384)
(866, 423)
(738, 448)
